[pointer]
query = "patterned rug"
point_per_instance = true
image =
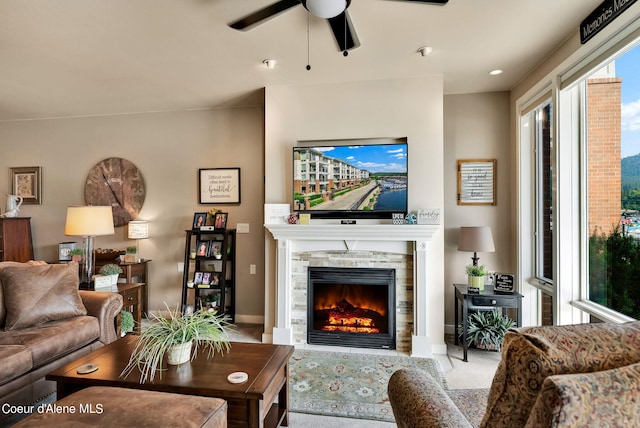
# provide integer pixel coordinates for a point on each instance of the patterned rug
(348, 385)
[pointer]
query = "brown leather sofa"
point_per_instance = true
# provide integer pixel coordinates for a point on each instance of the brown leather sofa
(46, 322)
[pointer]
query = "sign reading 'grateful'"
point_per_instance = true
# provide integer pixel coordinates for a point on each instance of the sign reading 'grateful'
(601, 17)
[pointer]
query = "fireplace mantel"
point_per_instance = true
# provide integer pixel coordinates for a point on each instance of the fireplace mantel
(408, 239)
(357, 232)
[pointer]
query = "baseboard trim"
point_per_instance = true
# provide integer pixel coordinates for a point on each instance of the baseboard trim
(250, 319)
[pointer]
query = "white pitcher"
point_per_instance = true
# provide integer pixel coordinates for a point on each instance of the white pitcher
(13, 205)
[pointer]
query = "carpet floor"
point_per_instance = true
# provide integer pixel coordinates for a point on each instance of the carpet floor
(348, 384)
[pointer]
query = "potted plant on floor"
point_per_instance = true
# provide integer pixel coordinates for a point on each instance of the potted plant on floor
(475, 276)
(486, 329)
(175, 336)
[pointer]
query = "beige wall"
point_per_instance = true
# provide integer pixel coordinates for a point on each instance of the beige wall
(168, 148)
(476, 126)
(409, 108)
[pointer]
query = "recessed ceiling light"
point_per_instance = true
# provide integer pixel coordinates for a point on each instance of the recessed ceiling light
(495, 72)
(270, 63)
(425, 50)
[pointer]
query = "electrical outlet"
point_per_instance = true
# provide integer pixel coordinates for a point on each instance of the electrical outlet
(180, 267)
(252, 269)
(242, 227)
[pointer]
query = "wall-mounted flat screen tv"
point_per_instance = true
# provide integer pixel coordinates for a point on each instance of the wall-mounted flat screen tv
(352, 180)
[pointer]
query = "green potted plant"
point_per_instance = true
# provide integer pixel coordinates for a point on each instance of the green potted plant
(131, 254)
(111, 270)
(126, 322)
(175, 336)
(486, 329)
(475, 276)
(76, 254)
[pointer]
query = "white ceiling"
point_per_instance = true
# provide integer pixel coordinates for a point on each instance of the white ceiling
(62, 58)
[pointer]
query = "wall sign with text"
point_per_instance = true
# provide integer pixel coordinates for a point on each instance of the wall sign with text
(477, 182)
(219, 185)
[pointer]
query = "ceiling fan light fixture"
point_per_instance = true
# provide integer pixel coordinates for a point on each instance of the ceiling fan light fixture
(325, 8)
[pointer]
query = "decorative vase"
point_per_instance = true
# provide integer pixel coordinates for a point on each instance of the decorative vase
(476, 281)
(179, 354)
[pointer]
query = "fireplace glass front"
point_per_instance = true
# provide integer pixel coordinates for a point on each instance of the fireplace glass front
(353, 307)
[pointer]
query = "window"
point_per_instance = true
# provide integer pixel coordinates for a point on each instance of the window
(578, 200)
(544, 193)
(611, 168)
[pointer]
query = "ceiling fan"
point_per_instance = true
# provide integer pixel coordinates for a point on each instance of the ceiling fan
(335, 11)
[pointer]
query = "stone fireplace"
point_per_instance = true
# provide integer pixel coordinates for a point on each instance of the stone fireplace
(419, 305)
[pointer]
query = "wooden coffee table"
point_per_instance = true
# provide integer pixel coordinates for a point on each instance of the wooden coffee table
(262, 401)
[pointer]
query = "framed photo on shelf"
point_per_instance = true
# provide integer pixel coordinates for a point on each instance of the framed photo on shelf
(220, 221)
(26, 182)
(197, 278)
(215, 247)
(202, 248)
(199, 220)
(215, 279)
(206, 278)
(219, 185)
(187, 310)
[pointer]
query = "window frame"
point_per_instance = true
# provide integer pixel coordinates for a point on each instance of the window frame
(569, 289)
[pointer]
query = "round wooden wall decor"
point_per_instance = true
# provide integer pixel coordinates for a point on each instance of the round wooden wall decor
(119, 183)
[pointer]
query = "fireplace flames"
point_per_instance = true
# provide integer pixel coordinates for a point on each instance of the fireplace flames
(345, 317)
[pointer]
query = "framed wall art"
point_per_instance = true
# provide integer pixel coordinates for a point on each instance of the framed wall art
(219, 185)
(26, 182)
(477, 182)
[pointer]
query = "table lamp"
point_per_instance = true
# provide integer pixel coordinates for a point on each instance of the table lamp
(88, 222)
(138, 229)
(476, 239)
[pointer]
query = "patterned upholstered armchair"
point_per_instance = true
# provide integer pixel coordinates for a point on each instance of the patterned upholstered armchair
(577, 375)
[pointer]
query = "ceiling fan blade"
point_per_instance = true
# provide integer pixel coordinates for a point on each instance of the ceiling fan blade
(262, 15)
(338, 27)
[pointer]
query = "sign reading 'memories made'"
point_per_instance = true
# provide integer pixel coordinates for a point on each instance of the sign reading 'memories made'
(601, 17)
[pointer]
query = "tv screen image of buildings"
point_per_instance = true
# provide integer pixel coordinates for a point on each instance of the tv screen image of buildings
(350, 178)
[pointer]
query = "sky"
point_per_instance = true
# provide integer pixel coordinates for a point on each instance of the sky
(627, 68)
(373, 158)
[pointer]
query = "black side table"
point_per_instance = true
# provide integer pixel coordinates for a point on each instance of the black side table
(486, 300)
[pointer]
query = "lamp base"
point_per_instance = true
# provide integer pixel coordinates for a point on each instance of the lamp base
(86, 285)
(475, 258)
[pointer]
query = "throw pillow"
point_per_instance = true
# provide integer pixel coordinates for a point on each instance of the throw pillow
(605, 399)
(531, 354)
(3, 311)
(37, 294)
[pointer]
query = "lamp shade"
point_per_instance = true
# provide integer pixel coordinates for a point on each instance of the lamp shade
(89, 221)
(138, 229)
(325, 8)
(476, 239)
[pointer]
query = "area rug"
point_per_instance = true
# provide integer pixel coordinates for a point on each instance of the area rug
(348, 385)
